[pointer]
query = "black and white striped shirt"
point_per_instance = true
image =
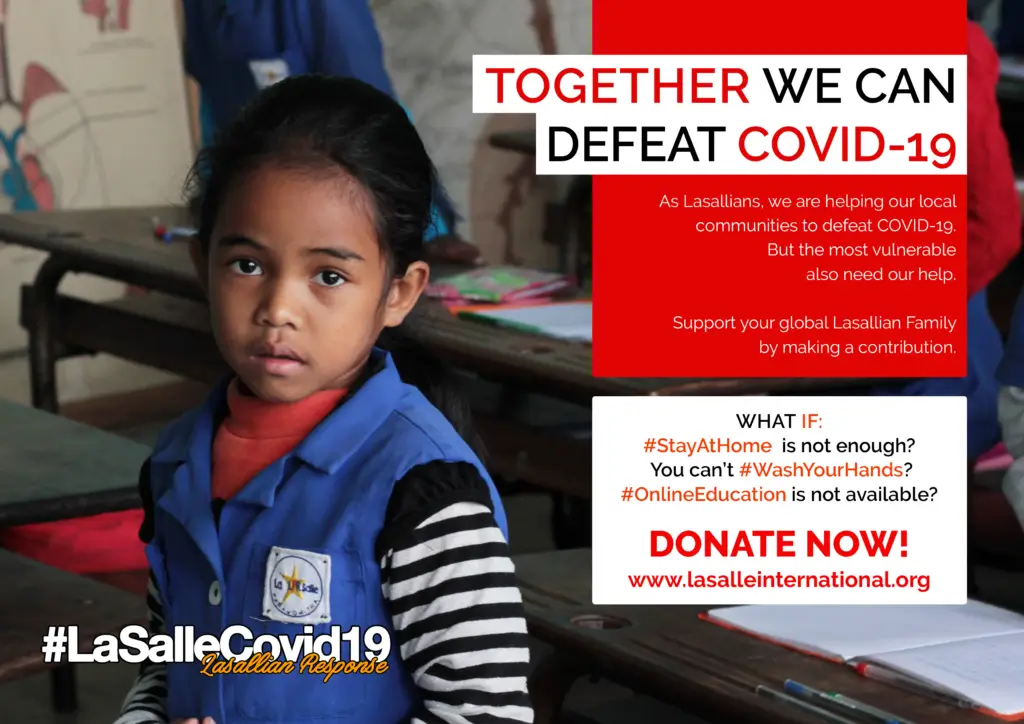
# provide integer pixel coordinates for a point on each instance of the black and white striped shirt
(449, 584)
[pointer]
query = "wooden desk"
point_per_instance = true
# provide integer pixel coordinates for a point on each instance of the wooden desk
(668, 653)
(115, 244)
(118, 244)
(1011, 81)
(563, 369)
(55, 469)
(524, 142)
(36, 597)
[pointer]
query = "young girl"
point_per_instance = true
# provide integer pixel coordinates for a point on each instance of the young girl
(315, 488)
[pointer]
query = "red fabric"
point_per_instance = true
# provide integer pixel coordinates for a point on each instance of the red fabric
(256, 433)
(993, 206)
(104, 543)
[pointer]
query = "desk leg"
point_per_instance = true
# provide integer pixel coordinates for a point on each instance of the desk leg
(42, 347)
(972, 581)
(550, 683)
(579, 209)
(62, 689)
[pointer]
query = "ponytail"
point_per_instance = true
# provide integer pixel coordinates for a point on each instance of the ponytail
(418, 367)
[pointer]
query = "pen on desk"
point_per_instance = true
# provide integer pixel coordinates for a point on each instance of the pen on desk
(169, 234)
(857, 709)
(794, 701)
(886, 676)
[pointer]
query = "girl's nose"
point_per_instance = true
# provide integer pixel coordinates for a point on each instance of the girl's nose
(280, 306)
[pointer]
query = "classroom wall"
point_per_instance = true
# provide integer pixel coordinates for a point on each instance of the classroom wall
(429, 49)
(96, 89)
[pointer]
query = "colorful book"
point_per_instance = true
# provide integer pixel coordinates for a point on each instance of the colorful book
(499, 285)
(571, 321)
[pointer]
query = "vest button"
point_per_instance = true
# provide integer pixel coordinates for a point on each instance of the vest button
(215, 593)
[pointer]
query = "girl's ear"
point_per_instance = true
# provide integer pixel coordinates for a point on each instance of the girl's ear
(199, 261)
(405, 292)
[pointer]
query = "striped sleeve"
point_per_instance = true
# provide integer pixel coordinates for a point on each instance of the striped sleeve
(455, 607)
(146, 702)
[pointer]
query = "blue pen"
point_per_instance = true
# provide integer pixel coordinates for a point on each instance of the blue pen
(795, 701)
(859, 709)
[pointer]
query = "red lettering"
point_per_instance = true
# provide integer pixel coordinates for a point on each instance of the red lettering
(785, 546)
(659, 84)
(689, 543)
(743, 143)
(742, 545)
(822, 545)
(694, 85)
(821, 152)
(686, 536)
(859, 154)
(544, 79)
(581, 90)
(633, 74)
(822, 146)
(729, 87)
(697, 84)
(501, 73)
(599, 84)
(659, 536)
(880, 542)
(854, 543)
(847, 543)
(719, 545)
(800, 144)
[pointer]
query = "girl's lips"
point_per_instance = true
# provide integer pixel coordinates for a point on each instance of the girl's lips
(268, 349)
(278, 366)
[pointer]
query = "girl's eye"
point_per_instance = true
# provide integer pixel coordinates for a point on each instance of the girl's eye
(329, 278)
(246, 267)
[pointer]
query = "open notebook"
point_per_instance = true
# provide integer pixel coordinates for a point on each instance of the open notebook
(973, 652)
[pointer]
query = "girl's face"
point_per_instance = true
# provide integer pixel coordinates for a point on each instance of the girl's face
(298, 285)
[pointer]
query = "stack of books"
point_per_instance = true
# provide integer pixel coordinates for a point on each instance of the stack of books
(500, 285)
(523, 299)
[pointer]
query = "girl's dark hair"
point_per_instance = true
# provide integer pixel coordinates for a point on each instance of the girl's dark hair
(330, 125)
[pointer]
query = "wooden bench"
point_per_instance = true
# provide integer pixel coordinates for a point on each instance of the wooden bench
(54, 469)
(36, 597)
(156, 329)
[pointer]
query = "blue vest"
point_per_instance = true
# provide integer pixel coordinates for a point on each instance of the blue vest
(326, 499)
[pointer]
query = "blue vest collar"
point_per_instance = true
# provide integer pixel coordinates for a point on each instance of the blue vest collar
(338, 437)
(364, 410)
(335, 440)
(187, 499)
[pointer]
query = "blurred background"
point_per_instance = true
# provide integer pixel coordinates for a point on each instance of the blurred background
(98, 90)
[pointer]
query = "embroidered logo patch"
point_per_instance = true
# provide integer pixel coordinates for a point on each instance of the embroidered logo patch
(297, 588)
(268, 72)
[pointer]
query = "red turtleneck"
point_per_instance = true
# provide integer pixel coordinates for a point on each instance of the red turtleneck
(256, 433)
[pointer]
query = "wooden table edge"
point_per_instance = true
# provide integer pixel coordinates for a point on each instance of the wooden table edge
(69, 506)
